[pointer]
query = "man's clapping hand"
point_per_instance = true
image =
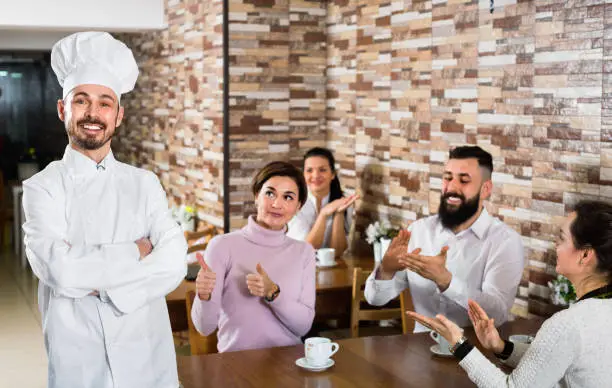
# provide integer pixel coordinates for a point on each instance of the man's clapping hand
(396, 255)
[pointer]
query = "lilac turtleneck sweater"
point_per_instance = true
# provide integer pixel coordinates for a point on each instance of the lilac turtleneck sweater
(246, 321)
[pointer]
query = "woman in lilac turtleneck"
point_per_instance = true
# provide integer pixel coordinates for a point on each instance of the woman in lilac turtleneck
(258, 285)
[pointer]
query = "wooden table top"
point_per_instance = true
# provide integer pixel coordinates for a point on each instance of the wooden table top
(393, 361)
(332, 278)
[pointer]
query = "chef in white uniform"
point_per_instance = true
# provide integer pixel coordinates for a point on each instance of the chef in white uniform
(99, 236)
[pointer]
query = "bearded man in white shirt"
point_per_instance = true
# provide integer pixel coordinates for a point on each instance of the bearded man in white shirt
(459, 254)
(99, 236)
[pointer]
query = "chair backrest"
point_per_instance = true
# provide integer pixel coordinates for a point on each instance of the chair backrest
(406, 305)
(377, 314)
(197, 247)
(198, 241)
(199, 344)
(209, 231)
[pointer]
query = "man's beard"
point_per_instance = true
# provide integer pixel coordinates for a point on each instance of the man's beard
(451, 217)
(84, 141)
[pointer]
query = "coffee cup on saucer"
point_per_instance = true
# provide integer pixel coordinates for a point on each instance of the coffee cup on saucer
(318, 351)
(326, 257)
(442, 348)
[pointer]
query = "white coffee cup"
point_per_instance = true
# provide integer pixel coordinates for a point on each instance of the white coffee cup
(442, 342)
(318, 350)
(326, 256)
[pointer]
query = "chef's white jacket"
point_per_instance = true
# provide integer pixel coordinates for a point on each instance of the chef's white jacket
(82, 219)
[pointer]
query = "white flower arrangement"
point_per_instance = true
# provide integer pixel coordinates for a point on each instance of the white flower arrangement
(185, 217)
(380, 230)
(562, 292)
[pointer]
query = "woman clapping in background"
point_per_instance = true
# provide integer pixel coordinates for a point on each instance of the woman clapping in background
(325, 219)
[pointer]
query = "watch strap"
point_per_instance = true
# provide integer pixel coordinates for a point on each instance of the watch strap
(454, 347)
(508, 349)
(274, 294)
(463, 350)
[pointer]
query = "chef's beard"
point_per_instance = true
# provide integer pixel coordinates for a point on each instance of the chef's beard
(81, 140)
(451, 217)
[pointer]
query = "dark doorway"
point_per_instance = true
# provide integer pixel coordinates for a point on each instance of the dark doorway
(28, 117)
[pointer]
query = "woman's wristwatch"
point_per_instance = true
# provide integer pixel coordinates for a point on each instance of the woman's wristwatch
(453, 348)
(273, 295)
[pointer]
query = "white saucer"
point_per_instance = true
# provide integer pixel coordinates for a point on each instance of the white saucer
(321, 265)
(522, 338)
(435, 349)
(302, 363)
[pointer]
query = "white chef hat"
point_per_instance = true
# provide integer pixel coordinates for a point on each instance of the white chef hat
(94, 58)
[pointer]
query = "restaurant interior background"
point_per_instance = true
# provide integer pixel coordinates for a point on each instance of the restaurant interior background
(389, 86)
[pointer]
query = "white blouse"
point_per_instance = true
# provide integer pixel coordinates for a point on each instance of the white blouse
(572, 349)
(301, 224)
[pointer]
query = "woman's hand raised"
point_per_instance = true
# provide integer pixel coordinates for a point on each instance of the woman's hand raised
(348, 201)
(444, 326)
(339, 205)
(485, 328)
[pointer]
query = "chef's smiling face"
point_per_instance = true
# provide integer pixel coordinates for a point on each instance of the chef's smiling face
(90, 113)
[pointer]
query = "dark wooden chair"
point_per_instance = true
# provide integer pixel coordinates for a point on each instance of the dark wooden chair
(192, 237)
(359, 313)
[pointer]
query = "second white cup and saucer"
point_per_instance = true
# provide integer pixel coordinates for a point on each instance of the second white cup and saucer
(318, 351)
(441, 348)
(326, 257)
(522, 338)
(303, 363)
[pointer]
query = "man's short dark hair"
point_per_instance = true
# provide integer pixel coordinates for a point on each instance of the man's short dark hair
(485, 160)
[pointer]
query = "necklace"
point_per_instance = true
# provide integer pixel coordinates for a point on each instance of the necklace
(604, 292)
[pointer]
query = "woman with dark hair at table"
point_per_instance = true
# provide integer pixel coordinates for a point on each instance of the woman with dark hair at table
(257, 285)
(573, 346)
(325, 219)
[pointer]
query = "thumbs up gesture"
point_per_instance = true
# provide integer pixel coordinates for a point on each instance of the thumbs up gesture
(259, 283)
(205, 282)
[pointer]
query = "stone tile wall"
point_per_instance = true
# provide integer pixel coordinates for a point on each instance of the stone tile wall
(174, 117)
(390, 86)
(529, 82)
(277, 52)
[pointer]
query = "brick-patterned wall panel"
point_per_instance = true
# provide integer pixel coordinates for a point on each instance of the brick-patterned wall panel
(567, 93)
(372, 87)
(505, 48)
(277, 54)
(606, 108)
(528, 82)
(410, 109)
(307, 81)
(341, 93)
(174, 116)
